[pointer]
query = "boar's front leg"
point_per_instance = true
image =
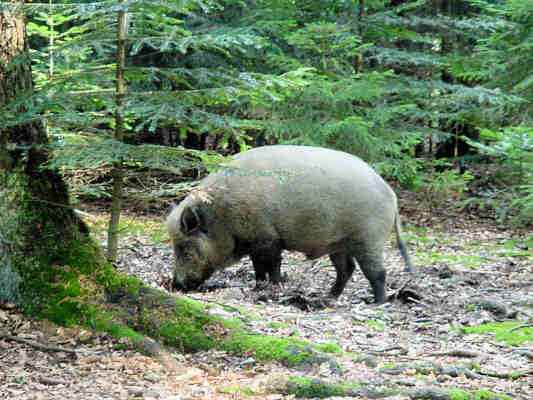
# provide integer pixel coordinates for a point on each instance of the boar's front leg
(266, 259)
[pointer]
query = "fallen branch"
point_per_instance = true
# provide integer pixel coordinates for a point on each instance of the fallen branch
(52, 381)
(455, 353)
(507, 375)
(37, 345)
(303, 387)
(432, 368)
(429, 394)
(402, 350)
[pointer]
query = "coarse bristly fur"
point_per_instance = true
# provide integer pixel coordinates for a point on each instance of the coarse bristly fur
(312, 200)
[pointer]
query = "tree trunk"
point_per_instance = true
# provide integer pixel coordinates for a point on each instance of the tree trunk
(359, 63)
(118, 168)
(35, 217)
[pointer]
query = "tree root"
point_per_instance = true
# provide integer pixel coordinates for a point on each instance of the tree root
(186, 325)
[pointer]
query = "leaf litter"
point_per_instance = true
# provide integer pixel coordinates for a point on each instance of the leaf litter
(467, 275)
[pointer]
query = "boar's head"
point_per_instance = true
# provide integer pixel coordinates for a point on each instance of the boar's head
(201, 244)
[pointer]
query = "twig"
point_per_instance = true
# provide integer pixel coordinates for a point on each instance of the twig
(85, 215)
(37, 345)
(417, 301)
(52, 381)
(402, 350)
(507, 375)
(456, 353)
(311, 328)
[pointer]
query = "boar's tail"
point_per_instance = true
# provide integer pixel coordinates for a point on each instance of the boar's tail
(401, 244)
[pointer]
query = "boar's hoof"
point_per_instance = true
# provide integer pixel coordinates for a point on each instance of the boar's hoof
(266, 285)
(260, 285)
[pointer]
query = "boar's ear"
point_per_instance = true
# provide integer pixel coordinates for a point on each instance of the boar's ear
(193, 218)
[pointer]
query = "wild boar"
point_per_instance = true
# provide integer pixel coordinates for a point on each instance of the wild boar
(308, 199)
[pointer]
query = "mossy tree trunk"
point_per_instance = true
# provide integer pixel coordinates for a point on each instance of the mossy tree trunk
(36, 222)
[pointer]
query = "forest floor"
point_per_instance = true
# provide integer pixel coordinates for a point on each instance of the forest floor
(458, 328)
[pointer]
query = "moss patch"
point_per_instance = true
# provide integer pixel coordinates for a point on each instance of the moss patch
(330, 347)
(104, 321)
(190, 328)
(278, 325)
(303, 387)
(465, 260)
(306, 387)
(237, 390)
(510, 332)
(289, 351)
(481, 394)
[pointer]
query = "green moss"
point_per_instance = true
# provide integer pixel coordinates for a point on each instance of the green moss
(481, 394)
(237, 390)
(190, 307)
(115, 282)
(517, 248)
(278, 325)
(193, 329)
(105, 322)
(60, 291)
(466, 260)
(186, 335)
(289, 351)
(330, 347)
(82, 254)
(303, 387)
(187, 329)
(375, 325)
(508, 332)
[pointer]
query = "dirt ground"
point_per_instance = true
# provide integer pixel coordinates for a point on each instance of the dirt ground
(469, 272)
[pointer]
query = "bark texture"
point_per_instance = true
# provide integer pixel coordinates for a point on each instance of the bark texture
(36, 222)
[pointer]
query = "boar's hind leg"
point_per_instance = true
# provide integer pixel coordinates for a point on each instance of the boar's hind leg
(267, 260)
(344, 265)
(371, 263)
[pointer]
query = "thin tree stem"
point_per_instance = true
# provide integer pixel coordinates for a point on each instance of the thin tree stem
(118, 169)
